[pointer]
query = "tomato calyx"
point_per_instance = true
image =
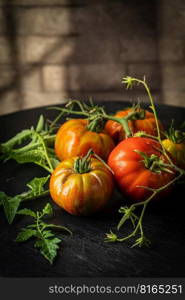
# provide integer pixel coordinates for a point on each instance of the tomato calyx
(83, 164)
(96, 123)
(111, 237)
(128, 214)
(174, 135)
(140, 113)
(154, 163)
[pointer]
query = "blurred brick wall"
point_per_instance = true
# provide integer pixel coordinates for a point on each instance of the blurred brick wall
(54, 49)
(171, 22)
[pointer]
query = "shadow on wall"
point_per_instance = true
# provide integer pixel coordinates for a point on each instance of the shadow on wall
(25, 59)
(49, 52)
(117, 38)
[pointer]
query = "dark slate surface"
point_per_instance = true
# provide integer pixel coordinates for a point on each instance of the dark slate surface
(85, 254)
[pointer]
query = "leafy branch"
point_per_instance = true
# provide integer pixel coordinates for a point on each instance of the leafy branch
(11, 204)
(46, 241)
(32, 146)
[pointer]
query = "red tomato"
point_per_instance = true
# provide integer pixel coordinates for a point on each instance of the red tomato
(81, 193)
(130, 170)
(75, 139)
(147, 125)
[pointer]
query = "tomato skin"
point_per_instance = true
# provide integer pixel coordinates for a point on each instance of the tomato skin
(81, 194)
(148, 125)
(176, 151)
(130, 171)
(74, 139)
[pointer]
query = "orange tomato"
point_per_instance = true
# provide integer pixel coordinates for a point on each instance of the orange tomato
(75, 139)
(148, 125)
(81, 193)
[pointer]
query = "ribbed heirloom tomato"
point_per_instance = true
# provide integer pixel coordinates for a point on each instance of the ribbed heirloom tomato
(147, 124)
(81, 186)
(137, 162)
(75, 137)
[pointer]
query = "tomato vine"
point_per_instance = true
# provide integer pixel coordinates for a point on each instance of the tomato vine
(129, 212)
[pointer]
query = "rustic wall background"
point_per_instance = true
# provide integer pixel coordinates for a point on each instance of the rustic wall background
(51, 50)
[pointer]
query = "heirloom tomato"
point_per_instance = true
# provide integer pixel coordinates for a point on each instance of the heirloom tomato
(81, 186)
(147, 124)
(137, 162)
(74, 138)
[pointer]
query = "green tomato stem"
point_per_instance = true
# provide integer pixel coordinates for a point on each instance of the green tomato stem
(143, 134)
(153, 109)
(143, 82)
(99, 115)
(123, 122)
(45, 151)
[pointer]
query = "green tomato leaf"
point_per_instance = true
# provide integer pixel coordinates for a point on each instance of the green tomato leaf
(47, 234)
(25, 235)
(37, 184)
(40, 124)
(10, 206)
(27, 212)
(54, 162)
(32, 156)
(16, 140)
(48, 248)
(47, 210)
(36, 156)
(31, 146)
(59, 227)
(46, 241)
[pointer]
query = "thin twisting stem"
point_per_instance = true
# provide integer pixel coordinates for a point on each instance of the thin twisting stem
(154, 110)
(55, 121)
(143, 82)
(145, 203)
(45, 151)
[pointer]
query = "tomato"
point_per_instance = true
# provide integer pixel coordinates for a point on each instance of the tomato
(132, 170)
(75, 139)
(81, 192)
(148, 125)
(176, 151)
